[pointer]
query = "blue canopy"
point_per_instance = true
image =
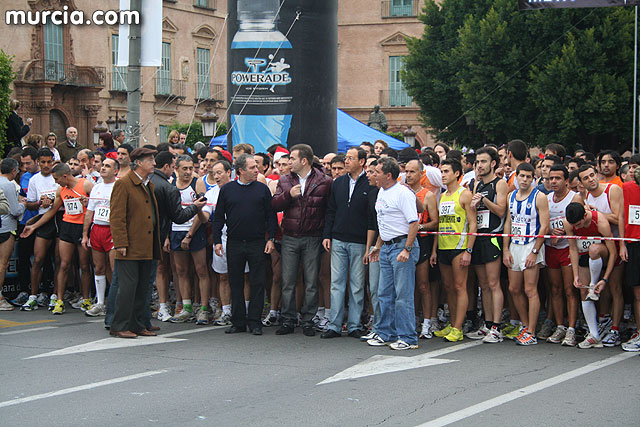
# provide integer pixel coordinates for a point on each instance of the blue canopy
(351, 133)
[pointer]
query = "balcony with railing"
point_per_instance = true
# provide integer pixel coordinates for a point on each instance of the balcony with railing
(118, 79)
(65, 74)
(170, 88)
(395, 98)
(400, 8)
(209, 92)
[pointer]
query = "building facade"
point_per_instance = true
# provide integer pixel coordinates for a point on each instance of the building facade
(68, 75)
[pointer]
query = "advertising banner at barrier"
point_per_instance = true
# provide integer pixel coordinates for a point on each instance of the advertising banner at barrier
(556, 4)
(282, 73)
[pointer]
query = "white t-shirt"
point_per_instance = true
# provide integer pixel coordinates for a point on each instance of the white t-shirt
(467, 177)
(210, 207)
(395, 209)
(41, 185)
(100, 202)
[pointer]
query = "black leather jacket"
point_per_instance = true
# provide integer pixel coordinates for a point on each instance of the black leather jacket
(169, 204)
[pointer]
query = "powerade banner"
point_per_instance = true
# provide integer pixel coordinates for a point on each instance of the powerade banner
(282, 73)
(546, 4)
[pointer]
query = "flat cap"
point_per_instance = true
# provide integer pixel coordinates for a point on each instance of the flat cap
(141, 152)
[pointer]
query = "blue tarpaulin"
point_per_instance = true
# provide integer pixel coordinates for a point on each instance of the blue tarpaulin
(351, 133)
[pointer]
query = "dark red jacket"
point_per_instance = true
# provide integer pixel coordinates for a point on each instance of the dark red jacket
(304, 215)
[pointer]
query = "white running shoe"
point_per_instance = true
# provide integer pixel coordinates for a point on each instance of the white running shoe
(590, 342)
(402, 345)
(5, 306)
(96, 310)
(558, 335)
(31, 304)
(569, 338)
(163, 314)
(633, 344)
(52, 301)
(591, 295)
(479, 334)
(426, 333)
(493, 336)
(371, 335)
(612, 339)
(377, 342)
(322, 326)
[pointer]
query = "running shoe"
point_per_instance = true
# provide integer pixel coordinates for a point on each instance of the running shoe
(182, 317)
(96, 310)
(59, 308)
(31, 304)
(202, 318)
(322, 326)
(479, 334)
(570, 338)
(558, 335)
(179, 308)
(604, 325)
(20, 299)
(426, 333)
(511, 331)
(467, 326)
(52, 301)
(591, 295)
(633, 344)
(164, 314)
(612, 339)
(590, 342)
(371, 335)
(224, 320)
(454, 335)
(316, 319)
(270, 320)
(523, 330)
(401, 345)
(547, 329)
(493, 336)
(378, 342)
(527, 339)
(444, 331)
(86, 305)
(5, 306)
(78, 304)
(42, 299)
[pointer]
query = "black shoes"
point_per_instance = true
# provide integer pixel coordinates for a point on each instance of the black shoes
(330, 333)
(285, 329)
(256, 331)
(235, 330)
(309, 331)
(356, 333)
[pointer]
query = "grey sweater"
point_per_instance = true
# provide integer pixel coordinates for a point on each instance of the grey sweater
(10, 208)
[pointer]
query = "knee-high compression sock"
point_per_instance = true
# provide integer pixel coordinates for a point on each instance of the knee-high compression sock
(101, 287)
(595, 268)
(591, 316)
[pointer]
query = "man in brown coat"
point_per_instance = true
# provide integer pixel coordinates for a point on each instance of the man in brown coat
(135, 229)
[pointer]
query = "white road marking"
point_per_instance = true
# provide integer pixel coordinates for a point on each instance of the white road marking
(78, 388)
(382, 364)
(113, 343)
(525, 391)
(23, 331)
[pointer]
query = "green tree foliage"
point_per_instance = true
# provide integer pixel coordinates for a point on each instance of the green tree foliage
(545, 76)
(6, 77)
(195, 133)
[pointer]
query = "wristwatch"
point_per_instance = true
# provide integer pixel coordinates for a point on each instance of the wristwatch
(534, 251)
(408, 248)
(272, 239)
(469, 250)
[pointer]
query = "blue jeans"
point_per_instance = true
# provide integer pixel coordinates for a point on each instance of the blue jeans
(374, 280)
(346, 257)
(113, 293)
(396, 294)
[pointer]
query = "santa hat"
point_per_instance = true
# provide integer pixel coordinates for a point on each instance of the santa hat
(279, 153)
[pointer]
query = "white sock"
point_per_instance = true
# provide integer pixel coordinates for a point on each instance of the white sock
(591, 316)
(327, 313)
(571, 329)
(426, 324)
(515, 322)
(164, 305)
(226, 309)
(595, 267)
(320, 312)
(246, 305)
(272, 313)
(101, 288)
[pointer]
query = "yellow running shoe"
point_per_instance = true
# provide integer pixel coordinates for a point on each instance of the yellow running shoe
(511, 332)
(442, 332)
(454, 335)
(59, 308)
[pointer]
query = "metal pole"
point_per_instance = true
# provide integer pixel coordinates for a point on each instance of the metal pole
(132, 132)
(635, 82)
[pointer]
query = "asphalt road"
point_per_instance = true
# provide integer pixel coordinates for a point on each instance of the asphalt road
(65, 370)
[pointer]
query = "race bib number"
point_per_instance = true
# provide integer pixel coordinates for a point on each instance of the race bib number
(634, 214)
(50, 194)
(73, 206)
(583, 245)
(557, 223)
(483, 219)
(102, 213)
(447, 208)
(518, 229)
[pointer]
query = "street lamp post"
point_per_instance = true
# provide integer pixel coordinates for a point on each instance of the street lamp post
(209, 120)
(112, 124)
